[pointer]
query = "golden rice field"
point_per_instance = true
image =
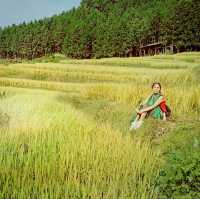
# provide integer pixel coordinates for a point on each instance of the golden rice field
(65, 126)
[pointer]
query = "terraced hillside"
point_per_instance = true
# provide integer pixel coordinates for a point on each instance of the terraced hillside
(65, 126)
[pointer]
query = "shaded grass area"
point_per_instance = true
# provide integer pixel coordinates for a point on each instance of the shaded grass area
(102, 111)
(179, 176)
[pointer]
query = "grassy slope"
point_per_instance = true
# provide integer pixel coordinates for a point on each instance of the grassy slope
(86, 116)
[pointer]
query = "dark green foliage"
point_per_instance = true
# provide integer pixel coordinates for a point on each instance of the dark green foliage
(182, 28)
(106, 28)
(181, 176)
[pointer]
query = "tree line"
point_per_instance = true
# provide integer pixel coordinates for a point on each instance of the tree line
(106, 28)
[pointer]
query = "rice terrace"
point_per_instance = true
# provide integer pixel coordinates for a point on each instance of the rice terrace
(65, 125)
(66, 110)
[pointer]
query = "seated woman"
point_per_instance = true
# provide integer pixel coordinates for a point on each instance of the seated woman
(154, 106)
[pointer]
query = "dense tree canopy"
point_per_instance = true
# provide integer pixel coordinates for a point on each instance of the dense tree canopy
(106, 28)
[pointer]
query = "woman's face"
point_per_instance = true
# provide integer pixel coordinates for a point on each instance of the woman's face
(156, 88)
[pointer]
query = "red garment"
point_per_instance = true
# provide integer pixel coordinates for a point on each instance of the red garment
(163, 105)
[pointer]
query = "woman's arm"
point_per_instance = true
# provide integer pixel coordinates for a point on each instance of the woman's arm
(149, 108)
(146, 100)
(143, 103)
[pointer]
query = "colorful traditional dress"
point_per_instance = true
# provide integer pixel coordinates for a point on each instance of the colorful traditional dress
(158, 111)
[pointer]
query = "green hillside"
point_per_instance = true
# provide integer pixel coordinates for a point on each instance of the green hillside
(104, 28)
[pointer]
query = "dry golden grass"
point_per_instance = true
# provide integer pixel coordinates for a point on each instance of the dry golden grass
(52, 149)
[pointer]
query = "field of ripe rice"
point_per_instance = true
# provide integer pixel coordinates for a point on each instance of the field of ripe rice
(65, 126)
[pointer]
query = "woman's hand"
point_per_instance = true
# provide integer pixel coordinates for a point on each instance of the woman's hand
(138, 111)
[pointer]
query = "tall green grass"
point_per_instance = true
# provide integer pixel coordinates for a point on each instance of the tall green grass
(64, 126)
(52, 150)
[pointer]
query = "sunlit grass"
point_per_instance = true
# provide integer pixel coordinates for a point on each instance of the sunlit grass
(51, 150)
(65, 126)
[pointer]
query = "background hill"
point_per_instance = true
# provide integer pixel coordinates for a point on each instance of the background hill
(104, 28)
